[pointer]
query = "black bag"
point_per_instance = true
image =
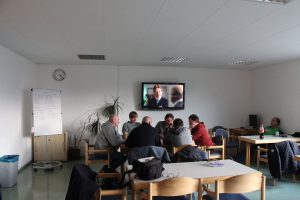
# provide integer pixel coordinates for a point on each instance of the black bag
(148, 170)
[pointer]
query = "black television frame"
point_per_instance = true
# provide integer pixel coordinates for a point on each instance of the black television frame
(162, 83)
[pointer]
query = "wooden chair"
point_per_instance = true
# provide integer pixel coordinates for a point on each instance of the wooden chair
(102, 194)
(173, 187)
(216, 151)
(92, 155)
(261, 157)
(235, 186)
(229, 142)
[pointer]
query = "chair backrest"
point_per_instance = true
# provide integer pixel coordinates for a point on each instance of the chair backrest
(90, 154)
(240, 184)
(214, 129)
(174, 187)
(222, 132)
(218, 139)
(243, 183)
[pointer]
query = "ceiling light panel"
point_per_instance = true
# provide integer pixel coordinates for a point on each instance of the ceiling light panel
(173, 59)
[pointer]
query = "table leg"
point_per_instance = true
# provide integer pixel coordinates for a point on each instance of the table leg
(248, 154)
(133, 194)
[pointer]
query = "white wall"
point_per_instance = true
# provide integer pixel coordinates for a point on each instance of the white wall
(219, 97)
(17, 77)
(276, 92)
(85, 89)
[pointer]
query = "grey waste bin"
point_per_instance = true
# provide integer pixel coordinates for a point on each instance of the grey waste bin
(8, 170)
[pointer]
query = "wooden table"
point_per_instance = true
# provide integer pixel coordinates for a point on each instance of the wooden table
(242, 132)
(267, 140)
(197, 170)
(297, 158)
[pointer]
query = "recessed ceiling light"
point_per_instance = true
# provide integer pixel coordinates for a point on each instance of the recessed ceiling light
(242, 62)
(91, 57)
(273, 1)
(173, 59)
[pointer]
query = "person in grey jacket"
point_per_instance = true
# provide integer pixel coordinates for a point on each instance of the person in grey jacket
(110, 138)
(178, 135)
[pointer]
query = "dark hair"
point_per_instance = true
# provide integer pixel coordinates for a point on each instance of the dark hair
(278, 120)
(177, 123)
(194, 117)
(133, 114)
(169, 115)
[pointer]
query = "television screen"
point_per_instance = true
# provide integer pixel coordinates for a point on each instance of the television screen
(163, 96)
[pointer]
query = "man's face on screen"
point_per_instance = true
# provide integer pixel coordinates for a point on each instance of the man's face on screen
(157, 93)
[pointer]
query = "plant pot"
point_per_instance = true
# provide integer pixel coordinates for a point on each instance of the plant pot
(73, 153)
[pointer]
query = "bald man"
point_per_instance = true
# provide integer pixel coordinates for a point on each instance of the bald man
(177, 96)
(144, 135)
(110, 138)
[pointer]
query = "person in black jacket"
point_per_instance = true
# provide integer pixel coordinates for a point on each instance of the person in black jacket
(158, 101)
(144, 135)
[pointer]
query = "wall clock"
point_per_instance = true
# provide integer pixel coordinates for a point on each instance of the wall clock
(59, 74)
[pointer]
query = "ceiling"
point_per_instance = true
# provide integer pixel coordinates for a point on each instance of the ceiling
(211, 33)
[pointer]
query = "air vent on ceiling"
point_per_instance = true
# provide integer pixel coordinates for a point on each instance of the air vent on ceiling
(173, 59)
(273, 1)
(242, 62)
(91, 57)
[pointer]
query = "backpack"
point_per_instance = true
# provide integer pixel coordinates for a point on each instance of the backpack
(149, 169)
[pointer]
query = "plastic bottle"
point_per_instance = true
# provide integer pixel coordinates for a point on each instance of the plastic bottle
(261, 131)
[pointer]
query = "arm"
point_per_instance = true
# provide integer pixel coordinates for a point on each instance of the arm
(129, 140)
(125, 131)
(157, 128)
(113, 137)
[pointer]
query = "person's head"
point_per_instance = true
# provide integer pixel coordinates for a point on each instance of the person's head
(176, 93)
(193, 120)
(157, 91)
(169, 119)
(147, 120)
(275, 122)
(115, 120)
(133, 116)
(177, 123)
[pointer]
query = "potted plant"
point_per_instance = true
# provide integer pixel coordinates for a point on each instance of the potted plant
(90, 125)
(112, 108)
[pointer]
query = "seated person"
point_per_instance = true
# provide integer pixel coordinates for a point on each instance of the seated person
(162, 126)
(177, 96)
(178, 135)
(130, 125)
(158, 101)
(110, 138)
(199, 133)
(271, 130)
(144, 135)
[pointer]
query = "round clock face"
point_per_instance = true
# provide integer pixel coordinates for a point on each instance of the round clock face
(59, 74)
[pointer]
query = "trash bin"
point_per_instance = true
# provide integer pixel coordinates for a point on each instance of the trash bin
(8, 170)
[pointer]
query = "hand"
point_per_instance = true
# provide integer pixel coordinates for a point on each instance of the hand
(125, 136)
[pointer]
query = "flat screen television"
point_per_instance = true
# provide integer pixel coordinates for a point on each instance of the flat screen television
(163, 96)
